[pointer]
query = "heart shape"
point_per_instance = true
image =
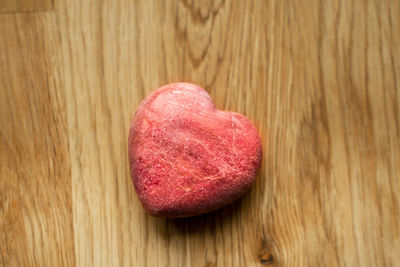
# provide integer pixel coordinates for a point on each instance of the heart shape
(186, 156)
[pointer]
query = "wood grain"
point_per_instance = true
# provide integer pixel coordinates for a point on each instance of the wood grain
(35, 182)
(9, 6)
(320, 79)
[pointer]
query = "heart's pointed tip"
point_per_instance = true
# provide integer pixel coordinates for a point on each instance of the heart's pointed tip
(186, 157)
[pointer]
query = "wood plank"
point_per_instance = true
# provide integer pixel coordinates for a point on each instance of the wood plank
(7, 6)
(35, 184)
(319, 79)
(283, 66)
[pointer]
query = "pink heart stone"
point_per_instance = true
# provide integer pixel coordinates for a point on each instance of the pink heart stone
(186, 156)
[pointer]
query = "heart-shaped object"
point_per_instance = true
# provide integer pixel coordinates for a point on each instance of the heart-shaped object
(186, 156)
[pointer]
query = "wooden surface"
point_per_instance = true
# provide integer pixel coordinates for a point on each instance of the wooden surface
(26, 5)
(320, 79)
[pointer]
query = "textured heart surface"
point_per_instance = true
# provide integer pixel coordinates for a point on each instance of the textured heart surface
(186, 156)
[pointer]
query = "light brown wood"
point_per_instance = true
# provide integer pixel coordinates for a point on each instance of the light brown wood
(8, 6)
(35, 181)
(320, 79)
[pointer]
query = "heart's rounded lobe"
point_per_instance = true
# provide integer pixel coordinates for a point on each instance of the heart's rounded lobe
(187, 157)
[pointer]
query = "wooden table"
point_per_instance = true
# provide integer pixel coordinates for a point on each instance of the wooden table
(320, 80)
